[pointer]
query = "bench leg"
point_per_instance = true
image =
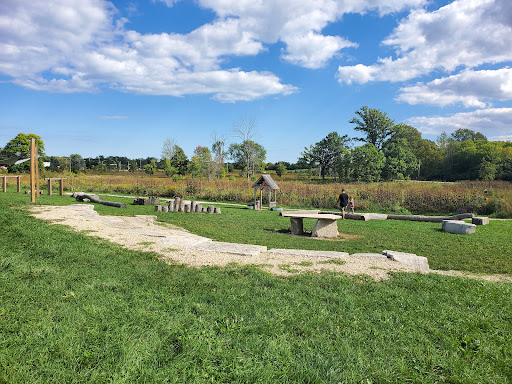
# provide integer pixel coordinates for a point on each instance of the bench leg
(325, 228)
(297, 226)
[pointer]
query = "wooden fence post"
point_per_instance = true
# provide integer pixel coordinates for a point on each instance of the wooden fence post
(32, 170)
(18, 183)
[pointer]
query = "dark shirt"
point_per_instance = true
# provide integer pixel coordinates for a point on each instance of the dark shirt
(343, 200)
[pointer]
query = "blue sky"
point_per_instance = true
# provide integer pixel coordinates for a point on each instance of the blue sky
(117, 78)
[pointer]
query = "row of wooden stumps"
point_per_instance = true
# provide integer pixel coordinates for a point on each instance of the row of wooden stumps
(179, 205)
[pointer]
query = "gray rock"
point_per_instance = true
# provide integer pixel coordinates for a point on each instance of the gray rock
(480, 220)
(210, 209)
(325, 228)
(199, 208)
(158, 208)
(303, 252)
(297, 226)
(171, 205)
(186, 207)
(217, 210)
(165, 208)
(411, 259)
(458, 227)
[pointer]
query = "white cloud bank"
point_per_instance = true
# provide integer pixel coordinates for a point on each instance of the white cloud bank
(463, 35)
(492, 120)
(82, 46)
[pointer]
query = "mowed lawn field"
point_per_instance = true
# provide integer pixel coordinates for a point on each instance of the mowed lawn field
(74, 308)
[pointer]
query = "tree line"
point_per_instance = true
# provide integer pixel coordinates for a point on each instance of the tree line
(389, 151)
(397, 151)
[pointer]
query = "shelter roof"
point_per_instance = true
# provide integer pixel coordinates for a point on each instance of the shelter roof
(266, 180)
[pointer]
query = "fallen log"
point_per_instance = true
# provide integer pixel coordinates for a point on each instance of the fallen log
(96, 199)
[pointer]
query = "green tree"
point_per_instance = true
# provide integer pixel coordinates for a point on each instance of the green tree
(248, 157)
(20, 147)
(376, 126)
(150, 168)
(326, 152)
(280, 169)
(467, 134)
(179, 160)
(367, 163)
(169, 169)
(400, 161)
(77, 163)
(133, 165)
(201, 164)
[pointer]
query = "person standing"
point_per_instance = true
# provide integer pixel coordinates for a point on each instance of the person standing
(343, 200)
(351, 204)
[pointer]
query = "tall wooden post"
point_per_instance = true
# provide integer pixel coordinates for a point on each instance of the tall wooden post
(32, 170)
(49, 186)
(61, 187)
(37, 172)
(18, 184)
(4, 188)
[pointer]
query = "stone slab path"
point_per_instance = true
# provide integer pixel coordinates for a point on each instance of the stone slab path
(175, 245)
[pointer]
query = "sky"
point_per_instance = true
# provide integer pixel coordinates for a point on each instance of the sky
(97, 77)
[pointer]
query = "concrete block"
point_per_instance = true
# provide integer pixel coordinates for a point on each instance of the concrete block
(165, 208)
(210, 209)
(458, 227)
(216, 210)
(480, 220)
(325, 228)
(158, 208)
(411, 259)
(171, 205)
(297, 227)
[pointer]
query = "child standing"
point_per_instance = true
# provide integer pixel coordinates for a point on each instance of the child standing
(351, 204)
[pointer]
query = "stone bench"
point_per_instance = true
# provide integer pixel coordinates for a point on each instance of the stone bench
(480, 220)
(326, 225)
(458, 226)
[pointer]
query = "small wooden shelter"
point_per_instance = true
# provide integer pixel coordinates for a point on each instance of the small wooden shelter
(265, 182)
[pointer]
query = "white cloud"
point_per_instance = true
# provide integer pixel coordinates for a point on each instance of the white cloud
(492, 120)
(84, 46)
(463, 33)
(469, 88)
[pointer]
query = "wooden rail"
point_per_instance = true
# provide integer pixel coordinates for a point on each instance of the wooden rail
(18, 182)
(61, 184)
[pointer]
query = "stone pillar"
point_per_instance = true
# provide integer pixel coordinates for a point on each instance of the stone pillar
(216, 210)
(171, 206)
(186, 207)
(325, 228)
(158, 208)
(192, 206)
(199, 208)
(210, 209)
(296, 225)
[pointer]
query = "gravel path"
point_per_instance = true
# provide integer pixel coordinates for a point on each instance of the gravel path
(175, 245)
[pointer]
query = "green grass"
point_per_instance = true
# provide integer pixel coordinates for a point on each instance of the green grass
(488, 251)
(78, 309)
